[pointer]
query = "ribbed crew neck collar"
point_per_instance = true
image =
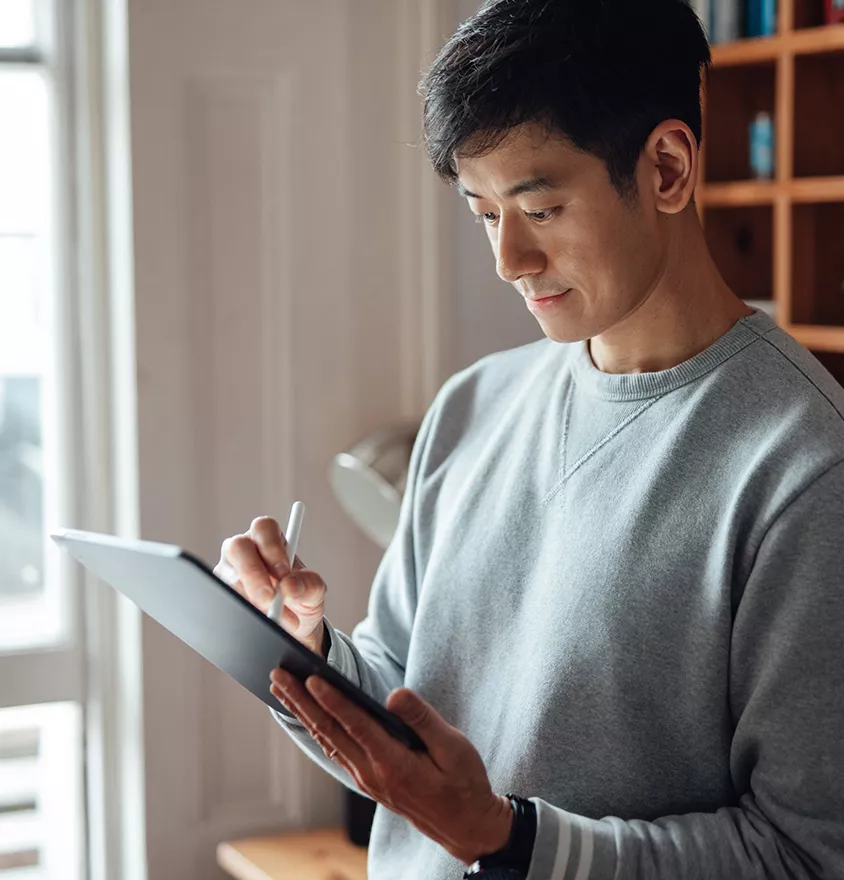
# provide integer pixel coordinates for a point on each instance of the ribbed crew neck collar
(638, 386)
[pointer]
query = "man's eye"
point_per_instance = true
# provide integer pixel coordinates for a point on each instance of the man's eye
(543, 216)
(539, 216)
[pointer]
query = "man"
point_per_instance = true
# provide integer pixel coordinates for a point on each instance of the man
(615, 591)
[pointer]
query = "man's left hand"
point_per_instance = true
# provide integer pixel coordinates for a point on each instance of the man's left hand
(445, 793)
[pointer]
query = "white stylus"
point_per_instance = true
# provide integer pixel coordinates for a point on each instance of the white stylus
(294, 529)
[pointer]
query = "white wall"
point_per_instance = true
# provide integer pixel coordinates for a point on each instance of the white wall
(279, 317)
(300, 279)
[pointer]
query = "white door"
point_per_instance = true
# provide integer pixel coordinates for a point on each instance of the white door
(288, 256)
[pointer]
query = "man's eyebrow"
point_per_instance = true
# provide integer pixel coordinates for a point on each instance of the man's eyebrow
(534, 185)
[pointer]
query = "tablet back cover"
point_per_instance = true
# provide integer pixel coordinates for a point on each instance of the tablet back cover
(178, 591)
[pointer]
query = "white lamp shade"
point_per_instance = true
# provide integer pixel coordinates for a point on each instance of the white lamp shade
(370, 478)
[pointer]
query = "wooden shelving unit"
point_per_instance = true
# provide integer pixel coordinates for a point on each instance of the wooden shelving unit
(781, 240)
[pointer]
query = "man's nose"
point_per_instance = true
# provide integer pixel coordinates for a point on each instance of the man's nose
(517, 254)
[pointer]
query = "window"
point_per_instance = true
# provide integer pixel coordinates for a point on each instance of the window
(17, 24)
(41, 694)
(30, 609)
(40, 793)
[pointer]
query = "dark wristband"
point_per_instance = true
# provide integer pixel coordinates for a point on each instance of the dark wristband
(517, 854)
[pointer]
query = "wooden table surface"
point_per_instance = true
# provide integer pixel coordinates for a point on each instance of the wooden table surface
(307, 855)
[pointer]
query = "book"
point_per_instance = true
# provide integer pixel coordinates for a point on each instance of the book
(834, 11)
(761, 18)
(725, 20)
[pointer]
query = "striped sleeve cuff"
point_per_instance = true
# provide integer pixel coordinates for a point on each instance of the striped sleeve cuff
(570, 847)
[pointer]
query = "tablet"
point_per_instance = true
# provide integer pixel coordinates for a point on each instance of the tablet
(187, 598)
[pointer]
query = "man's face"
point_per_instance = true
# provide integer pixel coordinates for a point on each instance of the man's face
(566, 231)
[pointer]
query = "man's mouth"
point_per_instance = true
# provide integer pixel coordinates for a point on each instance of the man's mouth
(544, 303)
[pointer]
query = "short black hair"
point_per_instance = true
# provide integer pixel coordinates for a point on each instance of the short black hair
(601, 73)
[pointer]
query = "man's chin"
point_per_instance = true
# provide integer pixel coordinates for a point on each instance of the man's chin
(560, 331)
(563, 321)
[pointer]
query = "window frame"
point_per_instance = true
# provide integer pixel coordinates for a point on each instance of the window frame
(83, 48)
(53, 672)
(25, 670)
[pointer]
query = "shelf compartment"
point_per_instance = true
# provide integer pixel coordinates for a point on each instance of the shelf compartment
(808, 14)
(741, 243)
(817, 281)
(818, 118)
(734, 95)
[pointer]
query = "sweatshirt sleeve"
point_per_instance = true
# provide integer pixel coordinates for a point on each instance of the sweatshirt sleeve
(787, 754)
(375, 656)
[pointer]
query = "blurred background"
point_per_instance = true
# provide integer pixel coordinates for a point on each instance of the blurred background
(223, 264)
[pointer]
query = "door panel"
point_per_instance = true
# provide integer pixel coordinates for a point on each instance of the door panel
(273, 299)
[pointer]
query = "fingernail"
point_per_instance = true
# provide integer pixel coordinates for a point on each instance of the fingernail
(316, 685)
(281, 569)
(266, 594)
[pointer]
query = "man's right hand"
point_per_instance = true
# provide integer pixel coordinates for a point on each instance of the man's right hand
(256, 565)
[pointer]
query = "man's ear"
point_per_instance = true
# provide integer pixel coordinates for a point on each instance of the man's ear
(670, 164)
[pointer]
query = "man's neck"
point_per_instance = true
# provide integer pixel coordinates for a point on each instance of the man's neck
(689, 308)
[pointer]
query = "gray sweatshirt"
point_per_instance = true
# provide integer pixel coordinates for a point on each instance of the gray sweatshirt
(628, 592)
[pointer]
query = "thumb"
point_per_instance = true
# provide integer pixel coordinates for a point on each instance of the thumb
(419, 715)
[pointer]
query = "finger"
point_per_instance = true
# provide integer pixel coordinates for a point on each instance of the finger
(306, 590)
(267, 535)
(359, 725)
(444, 742)
(272, 545)
(331, 752)
(289, 619)
(238, 587)
(241, 553)
(317, 721)
(288, 704)
(312, 596)
(227, 574)
(337, 758)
